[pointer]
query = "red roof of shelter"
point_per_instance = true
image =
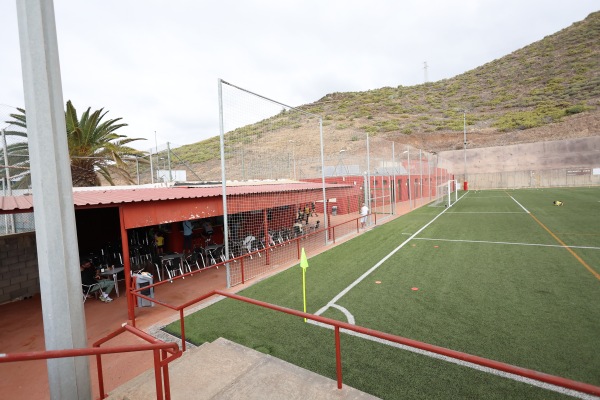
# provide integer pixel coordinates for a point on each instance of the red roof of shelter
(83, 198)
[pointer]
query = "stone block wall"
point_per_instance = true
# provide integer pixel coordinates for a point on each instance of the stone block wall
(19, 275)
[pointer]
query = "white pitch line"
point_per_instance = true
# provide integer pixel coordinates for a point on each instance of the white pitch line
(373, 268)
(527, 211)
(485, 212)
(347, 313)
(510, 243)
(507, 375)
(475, 196)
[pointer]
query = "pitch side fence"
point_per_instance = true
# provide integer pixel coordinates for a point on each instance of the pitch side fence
(263, 140)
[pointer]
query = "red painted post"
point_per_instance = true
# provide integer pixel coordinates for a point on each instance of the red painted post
(333, 233)
(126, 266)
(157, 375)
(165, 374)
(242, 266)
(298, 246)
(182, 324)
(266, 236)
(100, 376)
(338, 357)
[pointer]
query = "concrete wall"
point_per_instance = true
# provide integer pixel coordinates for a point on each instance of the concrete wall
(19, 275)
(580, 152)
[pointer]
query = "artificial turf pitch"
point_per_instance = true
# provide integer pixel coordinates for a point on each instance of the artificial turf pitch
(490, 276)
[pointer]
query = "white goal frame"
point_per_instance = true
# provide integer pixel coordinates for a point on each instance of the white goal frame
(443, 193)
(450, 203)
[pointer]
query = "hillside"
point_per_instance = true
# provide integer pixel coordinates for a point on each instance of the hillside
(548, 90)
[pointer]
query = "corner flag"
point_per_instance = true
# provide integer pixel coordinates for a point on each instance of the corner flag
(303, 265)
(303, 260)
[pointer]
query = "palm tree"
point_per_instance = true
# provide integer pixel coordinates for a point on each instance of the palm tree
(95, 149)
(17, 152)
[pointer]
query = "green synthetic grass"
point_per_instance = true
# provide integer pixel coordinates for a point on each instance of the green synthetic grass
(481, 290)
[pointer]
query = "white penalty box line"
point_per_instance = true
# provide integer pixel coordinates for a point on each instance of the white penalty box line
(508, 243)
(473, 197)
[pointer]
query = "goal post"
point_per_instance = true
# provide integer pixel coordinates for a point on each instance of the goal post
(446, 194)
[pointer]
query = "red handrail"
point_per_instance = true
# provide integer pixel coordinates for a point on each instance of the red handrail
(528, 373)
(158, 347)
(337, 325)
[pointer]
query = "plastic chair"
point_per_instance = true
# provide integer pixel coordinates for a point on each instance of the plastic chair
(250, 244)
(90, 289)
(213, 253)
(172, 266)
(157, 271)
(192, 259)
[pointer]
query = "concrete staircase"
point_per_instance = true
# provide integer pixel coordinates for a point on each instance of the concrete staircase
(226, 370)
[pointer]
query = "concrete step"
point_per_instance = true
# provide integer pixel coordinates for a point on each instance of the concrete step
(226, 370)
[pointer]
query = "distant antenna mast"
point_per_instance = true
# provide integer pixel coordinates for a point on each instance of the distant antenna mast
(425, 70)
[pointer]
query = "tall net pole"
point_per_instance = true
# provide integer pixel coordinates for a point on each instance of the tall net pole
(276, 152)
(223, 179)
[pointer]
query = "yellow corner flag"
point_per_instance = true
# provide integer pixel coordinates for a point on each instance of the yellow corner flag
(304, 265)
(303, 260)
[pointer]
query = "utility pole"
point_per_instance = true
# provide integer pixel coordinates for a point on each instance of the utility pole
(465, 145)
(151, 167)
(11, 218)
(169, 161)
(425, 70)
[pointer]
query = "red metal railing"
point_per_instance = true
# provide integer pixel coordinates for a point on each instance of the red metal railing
(337, 325)
(164, 353)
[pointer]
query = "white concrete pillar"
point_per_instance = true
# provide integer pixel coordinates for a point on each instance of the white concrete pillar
(58, 257)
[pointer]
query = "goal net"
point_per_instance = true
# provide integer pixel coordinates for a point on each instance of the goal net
(446, 194)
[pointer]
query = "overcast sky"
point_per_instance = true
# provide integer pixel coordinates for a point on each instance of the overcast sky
(156, 63)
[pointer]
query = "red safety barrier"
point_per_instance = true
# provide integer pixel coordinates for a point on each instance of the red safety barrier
(337, 325)
(164, 353)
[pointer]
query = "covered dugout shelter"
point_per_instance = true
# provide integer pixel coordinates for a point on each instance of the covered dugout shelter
(114, 214)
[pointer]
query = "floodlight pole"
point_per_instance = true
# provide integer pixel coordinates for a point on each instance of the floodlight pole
(429, 173)
(11, 217)
(137, 169)
(293, 156)
(393, 186)
(325, 216)
(368, 192)
(169, 161)
(465, 140)
(151, 167)
(223, 182)
(409, 182)
(421, 176)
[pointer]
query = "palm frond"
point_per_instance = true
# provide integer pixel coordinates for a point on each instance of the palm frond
(95, 146)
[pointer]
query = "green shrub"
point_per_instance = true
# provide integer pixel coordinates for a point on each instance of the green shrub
(576, 109)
